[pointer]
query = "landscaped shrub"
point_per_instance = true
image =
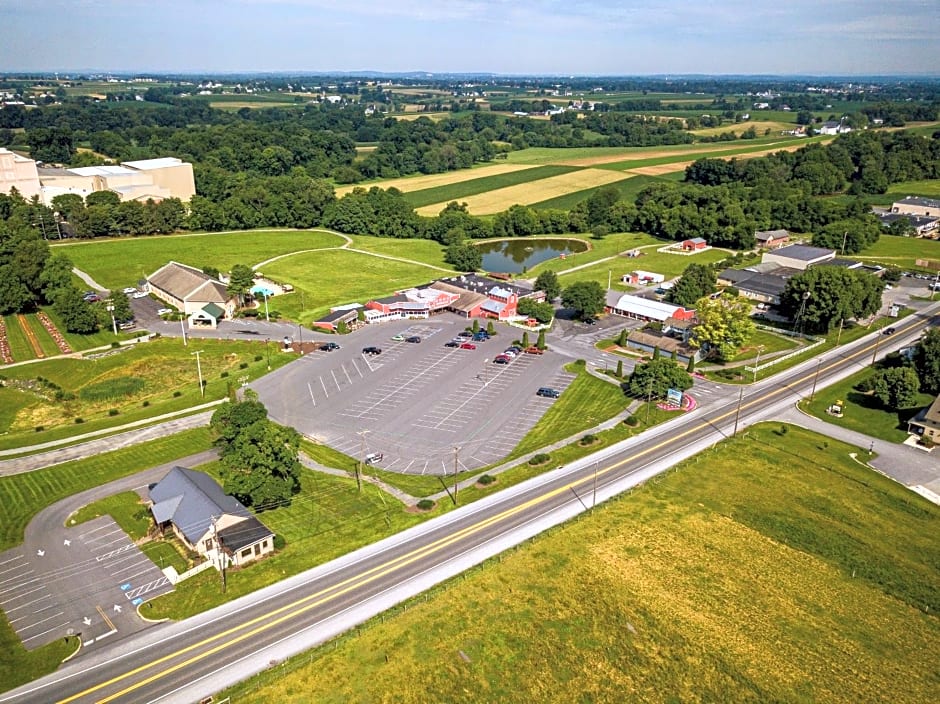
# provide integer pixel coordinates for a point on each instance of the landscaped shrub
(279, 542)
(259, 357)
(632, 421)
(112, 388)
(79, 420)
(177, 394)
(113, 411)
(39, 428)
(243, 365)
(425, 505)
(486, 479)
(589, 439)
(115, 345)
(145, 404)
(223, 374)
(540, 458)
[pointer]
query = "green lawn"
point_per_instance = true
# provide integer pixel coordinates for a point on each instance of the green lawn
(463, 189)
(164, 554)
(928, 189)
(863, 413)
(104, 335)
(767, 343)
(610, 246)
(122, 262)
(19, 665)
(164, 367)
(46, 343)
(420, 250)
(669, 265)
(901, 251)
(127, 510)
(335, 277)
(19, 345)
(807, 568)
(584, 404)
(12, 401)
(23, 495)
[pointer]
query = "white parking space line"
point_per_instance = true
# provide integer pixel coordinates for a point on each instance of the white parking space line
(28, 603)
(312, 399)
(39, 635)
(325, 392)
(22, 594)
(335, 381)
(347, 375)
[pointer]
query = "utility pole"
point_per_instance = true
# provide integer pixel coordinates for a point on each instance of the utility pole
(110, 309)
(202, 389)
(815, 379)
(757, 362)
(300, 337)
(456, 450)
(183, 328)
(362, 449)
(266, 318)
(874, 353)
(845, 236)
(839, 336)
(594, 501)
(649, 398)
(737, 413)
(267, 351)
(610, 273)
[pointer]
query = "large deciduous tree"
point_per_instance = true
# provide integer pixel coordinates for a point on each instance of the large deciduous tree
(697, 280)
(585, 297)
(724, 325)
(547, 281)
(230, 419)
(655, 378)
(896, 387)
(77, 315)
(927, 361)
(463, 256)
(241, 279)
(835, 294)
(261, 467)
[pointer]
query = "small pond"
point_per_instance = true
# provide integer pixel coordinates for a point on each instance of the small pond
(516, 256)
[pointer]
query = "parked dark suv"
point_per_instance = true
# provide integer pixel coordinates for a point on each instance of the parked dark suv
(548, 392)
(371, 350)
(329, 346)
(413, 339)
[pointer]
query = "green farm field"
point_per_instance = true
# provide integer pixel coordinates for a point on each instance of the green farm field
(928, 189)
(628, 189)
(815, 575)
(901, 251)
(424, 251)
(118, 263)
(463, 189)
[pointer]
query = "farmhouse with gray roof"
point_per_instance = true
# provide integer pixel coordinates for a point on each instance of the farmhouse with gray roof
(207, 520)
(189, 290)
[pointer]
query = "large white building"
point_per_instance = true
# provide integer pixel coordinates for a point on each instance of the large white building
(18, 172)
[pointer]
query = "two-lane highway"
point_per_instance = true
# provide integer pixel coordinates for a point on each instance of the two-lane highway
(187, 660)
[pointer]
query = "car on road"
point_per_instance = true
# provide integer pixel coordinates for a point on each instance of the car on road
(534, 350)
(467, 346)
(129, 290)
(590, 321)
(371, 350)
(502, 359)
(329, 346)
(889, 331)
(548, 392)
(414, 339)
(398, 338)
(164, 311)
(481, 336)
(452, 343)
(140, 294)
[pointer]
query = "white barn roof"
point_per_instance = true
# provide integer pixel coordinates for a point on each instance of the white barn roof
(644, 307)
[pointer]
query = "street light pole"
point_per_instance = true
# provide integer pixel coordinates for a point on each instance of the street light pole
(266, 318)
(183, 328)
(815, 379)
(362, 449)
(456, 450)
(737, 413)
(839, 336)
(874, 353)
(757, 362)
(110, 308)
(202, 389)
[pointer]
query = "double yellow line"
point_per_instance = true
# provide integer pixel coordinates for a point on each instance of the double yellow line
(282, 614)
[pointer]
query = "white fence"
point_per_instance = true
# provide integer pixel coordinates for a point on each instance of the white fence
(176, 578)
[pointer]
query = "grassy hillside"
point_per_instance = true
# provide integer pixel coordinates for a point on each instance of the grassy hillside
(773, 568)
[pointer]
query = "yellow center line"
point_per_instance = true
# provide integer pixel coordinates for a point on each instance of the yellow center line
(323, 596)
(105, 617)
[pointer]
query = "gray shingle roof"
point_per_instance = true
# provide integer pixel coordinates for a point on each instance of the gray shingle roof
(191, 500)
(802, 252)
(182, 281)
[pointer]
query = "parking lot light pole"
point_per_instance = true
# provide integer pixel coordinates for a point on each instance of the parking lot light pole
(183, 328)
(757, 362)
(815, 379)
(266, 318)
(737, 413)
(110, 308)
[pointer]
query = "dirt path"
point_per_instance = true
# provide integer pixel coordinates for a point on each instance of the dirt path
(30, 335)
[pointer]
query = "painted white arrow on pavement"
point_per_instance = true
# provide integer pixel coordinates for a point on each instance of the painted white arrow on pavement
(86, 621)
(66, 542)
(117, 608)
(40, 553)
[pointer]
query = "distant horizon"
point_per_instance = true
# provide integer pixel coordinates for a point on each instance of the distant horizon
(505, 37)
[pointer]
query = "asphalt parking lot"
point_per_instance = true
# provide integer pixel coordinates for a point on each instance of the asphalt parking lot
(415, 403)
(87, 580)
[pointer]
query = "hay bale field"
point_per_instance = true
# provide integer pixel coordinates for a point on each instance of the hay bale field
(525, 193)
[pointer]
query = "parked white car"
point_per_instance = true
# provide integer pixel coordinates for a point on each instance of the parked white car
(164, 311)
(140, 294)
(129, 290)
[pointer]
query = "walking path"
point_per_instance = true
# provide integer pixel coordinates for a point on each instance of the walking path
(90, 281)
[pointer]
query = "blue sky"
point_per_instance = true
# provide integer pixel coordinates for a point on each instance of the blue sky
(500, 36)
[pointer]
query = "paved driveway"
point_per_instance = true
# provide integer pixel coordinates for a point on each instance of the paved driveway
(85, 579)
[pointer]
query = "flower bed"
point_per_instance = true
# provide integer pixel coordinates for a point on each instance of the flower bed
(50, 327)
(5, 353)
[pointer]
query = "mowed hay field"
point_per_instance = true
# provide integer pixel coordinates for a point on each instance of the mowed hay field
(419, 183)
(501, 199)
(752, 574)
